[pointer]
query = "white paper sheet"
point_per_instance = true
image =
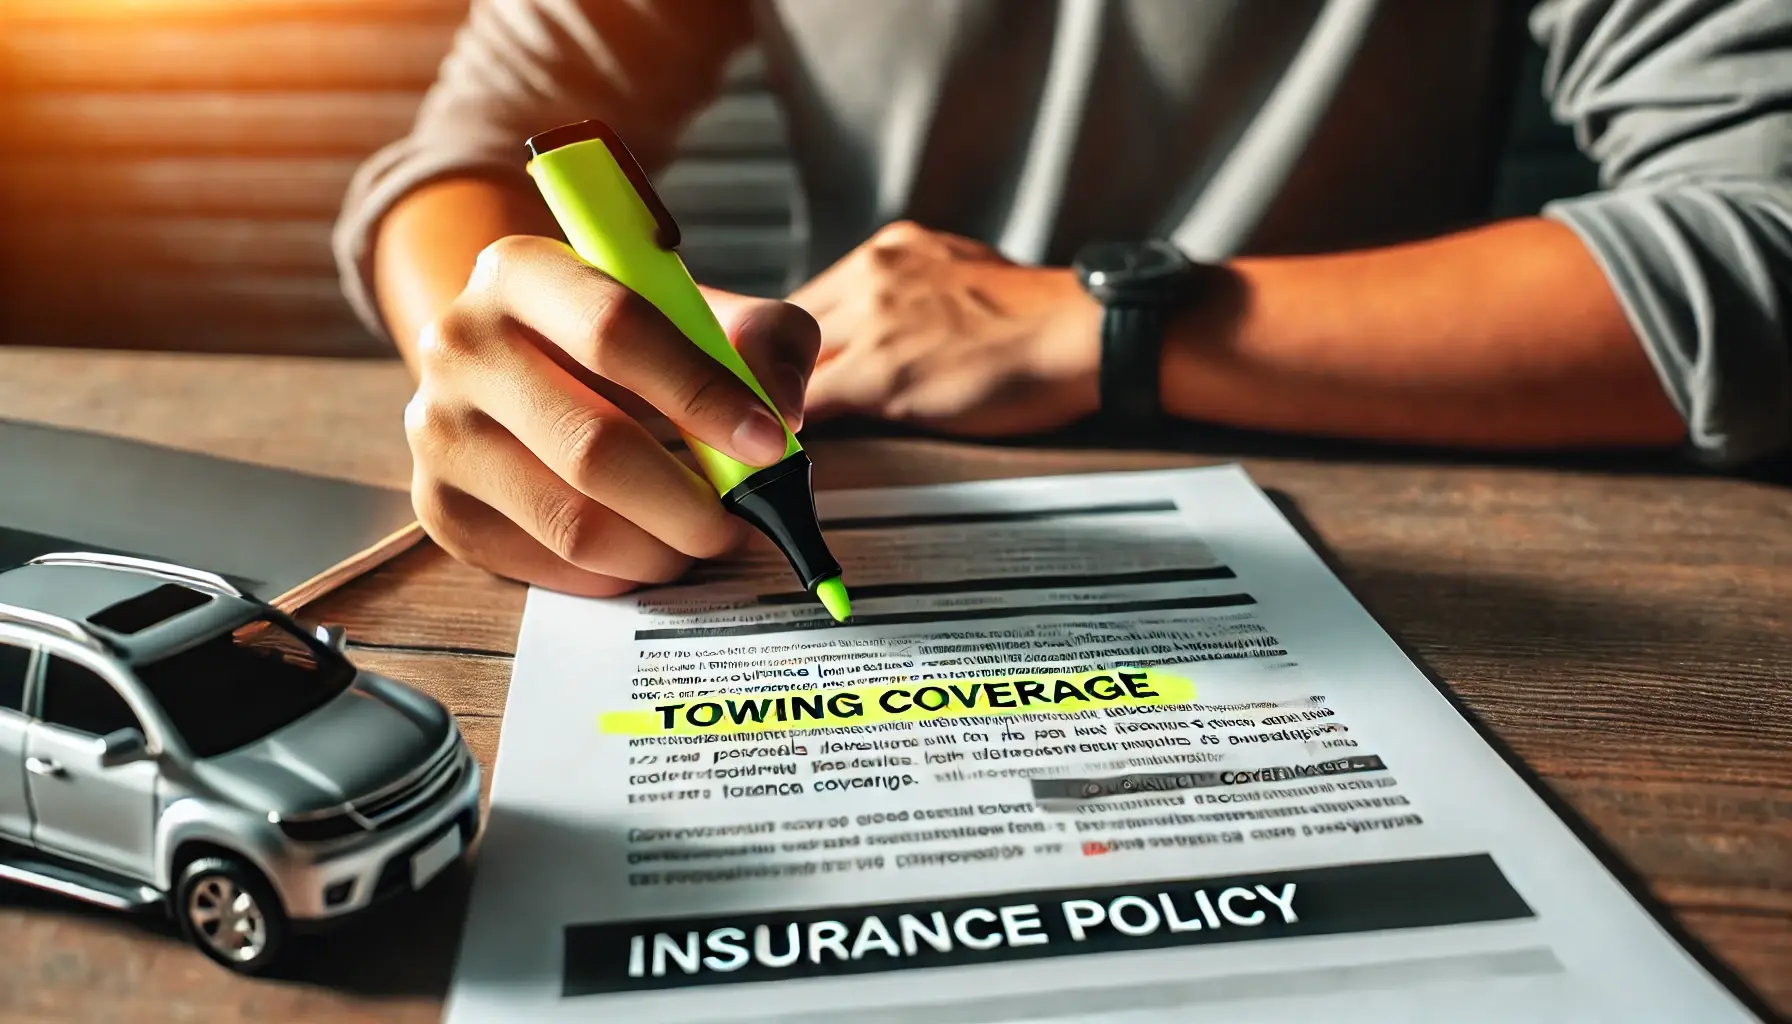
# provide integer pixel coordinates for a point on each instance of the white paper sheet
(1318, 834)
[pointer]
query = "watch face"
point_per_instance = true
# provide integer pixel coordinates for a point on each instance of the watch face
(1125, 268)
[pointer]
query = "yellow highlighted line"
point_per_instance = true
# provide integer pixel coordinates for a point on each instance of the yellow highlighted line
(919, 700)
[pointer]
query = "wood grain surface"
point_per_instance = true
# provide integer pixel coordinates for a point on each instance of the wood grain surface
(1629, 636)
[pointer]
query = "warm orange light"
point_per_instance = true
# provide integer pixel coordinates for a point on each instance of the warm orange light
(67, 10)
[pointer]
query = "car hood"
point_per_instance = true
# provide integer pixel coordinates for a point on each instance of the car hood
(372, 735)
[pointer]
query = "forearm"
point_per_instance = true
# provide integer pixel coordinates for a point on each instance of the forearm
(1504, 336)
(426, 247)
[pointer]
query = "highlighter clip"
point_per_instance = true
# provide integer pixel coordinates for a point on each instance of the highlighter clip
(666, 234)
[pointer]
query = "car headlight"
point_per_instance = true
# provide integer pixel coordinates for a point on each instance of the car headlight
(318, 830)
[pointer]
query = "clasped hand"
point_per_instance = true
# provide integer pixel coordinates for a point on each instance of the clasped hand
(942, 332)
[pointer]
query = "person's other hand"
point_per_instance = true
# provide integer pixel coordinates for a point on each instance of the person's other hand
(530, 428)
(942, 332)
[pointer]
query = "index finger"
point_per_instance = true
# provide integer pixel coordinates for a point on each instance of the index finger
(622, 337)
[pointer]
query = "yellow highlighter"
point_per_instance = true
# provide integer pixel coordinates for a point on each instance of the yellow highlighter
(617, 223)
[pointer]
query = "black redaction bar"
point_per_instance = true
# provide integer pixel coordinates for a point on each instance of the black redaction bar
(962, 615)
(986, 584)
(1022, 515)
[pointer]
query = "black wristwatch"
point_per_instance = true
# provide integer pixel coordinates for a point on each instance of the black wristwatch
(1139, 285)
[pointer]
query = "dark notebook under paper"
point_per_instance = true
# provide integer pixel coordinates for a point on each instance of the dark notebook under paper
(285, 537)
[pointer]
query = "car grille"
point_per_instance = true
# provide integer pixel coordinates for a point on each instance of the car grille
(400, 804)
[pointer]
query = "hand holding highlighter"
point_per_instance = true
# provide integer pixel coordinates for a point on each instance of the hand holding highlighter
(616, 222)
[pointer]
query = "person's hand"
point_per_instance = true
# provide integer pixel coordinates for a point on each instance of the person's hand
(530, 428)
(942, 332)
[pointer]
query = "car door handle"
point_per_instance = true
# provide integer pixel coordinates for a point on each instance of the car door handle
(42, 766)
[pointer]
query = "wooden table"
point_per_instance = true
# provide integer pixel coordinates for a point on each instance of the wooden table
(1629, 635)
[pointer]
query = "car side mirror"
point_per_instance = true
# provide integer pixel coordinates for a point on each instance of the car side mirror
(333, 637)
(123, 747)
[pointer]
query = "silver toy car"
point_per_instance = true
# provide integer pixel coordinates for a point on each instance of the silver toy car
(167, 740)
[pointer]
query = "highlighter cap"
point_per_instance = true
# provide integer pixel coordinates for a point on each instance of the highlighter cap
(666, 233)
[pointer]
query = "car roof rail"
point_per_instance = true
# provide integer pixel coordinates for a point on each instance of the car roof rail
(180, 573)
(65, 628)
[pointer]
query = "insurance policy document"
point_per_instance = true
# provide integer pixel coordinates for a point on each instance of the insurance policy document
(1109, 747)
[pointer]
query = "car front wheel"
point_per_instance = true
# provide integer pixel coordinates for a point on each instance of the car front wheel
(231, 913)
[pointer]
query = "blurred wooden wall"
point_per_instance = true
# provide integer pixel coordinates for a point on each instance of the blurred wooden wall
(170, 169)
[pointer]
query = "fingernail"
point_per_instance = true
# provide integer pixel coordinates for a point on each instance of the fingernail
(759, 439)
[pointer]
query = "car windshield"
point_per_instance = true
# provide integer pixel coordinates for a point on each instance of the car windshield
(237, 687)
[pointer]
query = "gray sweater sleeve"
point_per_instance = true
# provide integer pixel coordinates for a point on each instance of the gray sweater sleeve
(1687, 107)
(517, 67)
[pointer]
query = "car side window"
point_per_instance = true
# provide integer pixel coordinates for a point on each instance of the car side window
(76, 697)
(14, 661)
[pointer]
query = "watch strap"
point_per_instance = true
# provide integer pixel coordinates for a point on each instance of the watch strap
(1132, 335)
